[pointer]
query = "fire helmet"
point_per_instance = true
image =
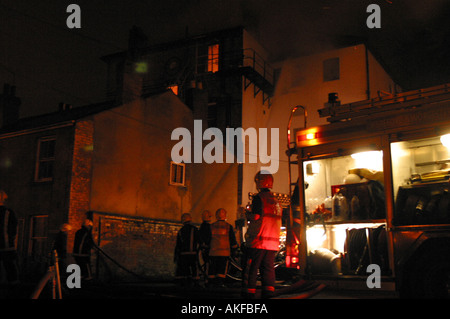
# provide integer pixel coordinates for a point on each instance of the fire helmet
(221, 214)
(3, 196)
(206, 216)
(65, 227)
(88, 223)
(186, 217)
(263, 179)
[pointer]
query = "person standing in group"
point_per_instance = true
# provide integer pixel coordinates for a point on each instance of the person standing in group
(186, 249)
(262, 237)
(82, 246)
(223, 242)
(60, 245)
(8, 236)
(205, 241)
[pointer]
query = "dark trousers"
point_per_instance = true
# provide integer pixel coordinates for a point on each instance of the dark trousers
(187, 267)
(9, 259)
(218, 268)
(206, 264)
(85, 266)
(262, 260)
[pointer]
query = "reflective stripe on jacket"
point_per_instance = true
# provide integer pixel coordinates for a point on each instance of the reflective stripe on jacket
(187, 240)
(223, 239)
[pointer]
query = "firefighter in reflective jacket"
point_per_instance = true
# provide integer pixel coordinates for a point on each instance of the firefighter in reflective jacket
(262, 237)
(82, 246)
(223, 243)
(8, 230)
(186, 249)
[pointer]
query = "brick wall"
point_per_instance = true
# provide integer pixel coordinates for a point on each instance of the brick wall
(143, 246)
(80, 184)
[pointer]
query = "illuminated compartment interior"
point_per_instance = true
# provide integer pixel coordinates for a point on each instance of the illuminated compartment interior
(345, 202)
(345, 209)
(420, 171)
(346, 249)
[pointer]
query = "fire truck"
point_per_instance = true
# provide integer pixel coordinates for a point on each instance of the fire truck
(373, 189)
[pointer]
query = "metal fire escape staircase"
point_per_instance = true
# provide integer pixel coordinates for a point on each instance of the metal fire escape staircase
(253, 68)
(258, 72)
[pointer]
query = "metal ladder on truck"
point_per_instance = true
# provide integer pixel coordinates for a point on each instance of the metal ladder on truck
(292, 239)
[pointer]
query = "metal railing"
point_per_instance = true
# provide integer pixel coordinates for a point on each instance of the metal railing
(259, 64)
(211, 63)
(237, 58)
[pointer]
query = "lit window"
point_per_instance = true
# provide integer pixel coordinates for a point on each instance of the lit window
(213, 58)
(174, 89)
(177, 174)
(45, 159)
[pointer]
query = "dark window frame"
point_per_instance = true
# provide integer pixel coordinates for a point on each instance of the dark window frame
(177, 174)
(45, 159)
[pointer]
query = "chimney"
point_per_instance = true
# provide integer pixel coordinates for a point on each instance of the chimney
(137, 40)
(9, 106)
(134, 69)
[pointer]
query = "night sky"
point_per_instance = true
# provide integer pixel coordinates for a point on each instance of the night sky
(50, 63)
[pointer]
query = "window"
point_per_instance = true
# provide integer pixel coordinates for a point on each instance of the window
(331, 70)
(208, 58)
(177, 174)
(38, 237)
(213, 58)
(174, 88)
(45, 159)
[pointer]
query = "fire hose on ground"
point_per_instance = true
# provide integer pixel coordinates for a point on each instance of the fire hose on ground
(119, 265)
(301, 289)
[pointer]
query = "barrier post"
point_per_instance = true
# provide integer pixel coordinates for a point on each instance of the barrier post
(58, 278)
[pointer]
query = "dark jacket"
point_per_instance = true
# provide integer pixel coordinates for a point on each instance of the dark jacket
(83, 242)
(60, 244)
(187, 240)
(8, 229)
(205, 235)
